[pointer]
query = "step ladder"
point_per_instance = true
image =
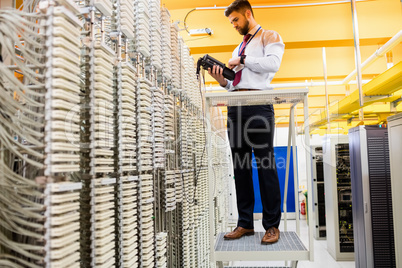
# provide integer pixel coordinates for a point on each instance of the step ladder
(249, 248)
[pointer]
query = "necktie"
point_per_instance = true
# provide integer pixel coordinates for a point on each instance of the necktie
(238, 74)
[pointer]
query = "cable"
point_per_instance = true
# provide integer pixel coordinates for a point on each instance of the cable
(203, 152)
(189, 40)
(185, 18)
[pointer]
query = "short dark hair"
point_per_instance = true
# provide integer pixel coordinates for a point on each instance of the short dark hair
(239, 6)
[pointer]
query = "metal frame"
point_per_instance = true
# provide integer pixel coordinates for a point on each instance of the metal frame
(395, 146)
(331, 199)
(315, 193)
(293, 96)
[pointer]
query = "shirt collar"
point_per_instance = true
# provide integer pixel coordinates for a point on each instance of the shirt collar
(252, 31)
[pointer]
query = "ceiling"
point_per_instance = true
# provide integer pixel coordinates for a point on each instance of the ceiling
(305, 30)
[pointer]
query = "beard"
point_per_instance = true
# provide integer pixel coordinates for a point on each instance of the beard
(244, 30)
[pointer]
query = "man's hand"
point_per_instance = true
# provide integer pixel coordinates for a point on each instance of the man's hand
(233, 62)
(216, 73)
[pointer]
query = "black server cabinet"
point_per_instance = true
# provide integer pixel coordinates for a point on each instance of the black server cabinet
(319, 192)
(372, 198)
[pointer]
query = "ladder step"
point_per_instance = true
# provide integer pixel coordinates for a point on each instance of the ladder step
(249, 248)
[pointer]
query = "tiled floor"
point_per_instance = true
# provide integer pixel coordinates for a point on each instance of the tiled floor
(321, 256)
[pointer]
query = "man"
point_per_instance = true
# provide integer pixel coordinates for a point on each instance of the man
(251, 128)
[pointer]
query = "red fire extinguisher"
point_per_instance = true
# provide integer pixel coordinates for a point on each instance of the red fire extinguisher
(303, 208)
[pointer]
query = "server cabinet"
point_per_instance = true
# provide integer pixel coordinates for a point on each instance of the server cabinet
(395, 153)
(318, 192)
(338, 198)
(372, 198)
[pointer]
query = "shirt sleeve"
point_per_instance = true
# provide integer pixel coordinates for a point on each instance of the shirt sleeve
(228, 85)
(273, 52)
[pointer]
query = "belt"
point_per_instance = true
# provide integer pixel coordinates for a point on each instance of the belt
(245, 89)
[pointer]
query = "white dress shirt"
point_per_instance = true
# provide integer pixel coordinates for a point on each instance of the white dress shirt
(263, 57)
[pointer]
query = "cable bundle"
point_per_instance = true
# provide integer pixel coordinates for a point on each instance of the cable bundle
(128, 124)
(103, 129)
(104, 6)
(22, 103)
(144, 123)
(179, 186)
(161, 244)
(62, 221)
(62, 98)
(83, 115)
(62, 135)
(156, 33)
(158, 99)
(169, 134)
(142, 28)
(170, 191)
(127, 18)
(175, 56)
(27, 153)
(182, 67)
(130, 221)
(102, 218)
(102, 156)
(166, 44)
(186, 67)
(147, 231)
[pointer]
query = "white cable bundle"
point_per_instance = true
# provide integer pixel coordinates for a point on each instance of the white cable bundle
(130, 221)
(170, 191)
(190, 139)
(128, 126)
(166, 44)
(158, 104)
(169, 121)
(62, 223)
(161, 245)
(103, 222)
(127, 18)
(186, 247)
(182, 67)
(62, 134)
(156, 33)
(103, 129)
(144, 125)
(186, 70)
(38, 223)
(102, 187)
(142, 38)
(147, 232)
(183, 138)
(63, 89)
(175, 59)
(104, 6)
(179, 186)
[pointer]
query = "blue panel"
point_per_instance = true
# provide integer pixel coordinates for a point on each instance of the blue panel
(280, 159)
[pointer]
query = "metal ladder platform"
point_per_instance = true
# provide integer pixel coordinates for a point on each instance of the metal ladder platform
(249, 248)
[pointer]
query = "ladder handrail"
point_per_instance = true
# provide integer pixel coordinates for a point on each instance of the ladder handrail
(270, 99)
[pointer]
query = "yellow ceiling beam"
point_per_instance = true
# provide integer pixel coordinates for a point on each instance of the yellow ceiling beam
(295, 45)
(387, 83)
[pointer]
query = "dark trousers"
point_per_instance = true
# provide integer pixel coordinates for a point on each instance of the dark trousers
(252, 128)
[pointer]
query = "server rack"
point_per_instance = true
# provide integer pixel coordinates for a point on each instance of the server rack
(395, 153)
(372, 199)
(338, 201)
(318, 193)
